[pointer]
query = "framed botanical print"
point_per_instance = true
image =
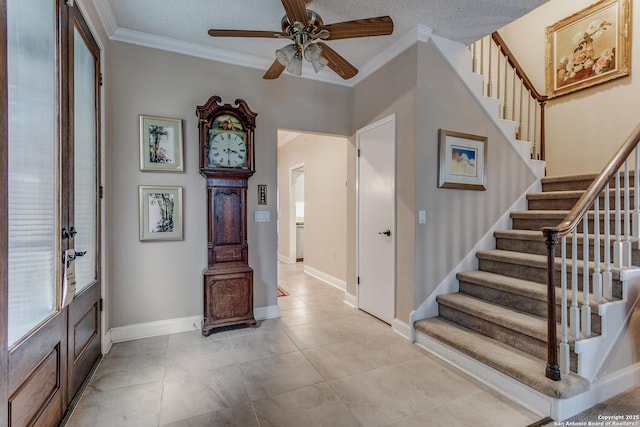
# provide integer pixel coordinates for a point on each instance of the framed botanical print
(160, 213)
(160, 144)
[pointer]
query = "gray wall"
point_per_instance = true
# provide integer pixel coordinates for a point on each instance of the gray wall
(392, 89)
(456, 219)
(151, 281)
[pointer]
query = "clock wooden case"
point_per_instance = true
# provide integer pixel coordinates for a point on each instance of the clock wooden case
(227, 161)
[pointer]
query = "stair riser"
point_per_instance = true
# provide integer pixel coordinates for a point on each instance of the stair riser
(567, 185)
(565, 204)
(539, 248)
(580, 183)
(536, 223)
(523, 342)
(519, 302)
(535, 274)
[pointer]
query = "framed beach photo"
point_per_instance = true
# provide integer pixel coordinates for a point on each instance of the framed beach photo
(590, 47)
(160, 213)
(160, 144)
(462, 160)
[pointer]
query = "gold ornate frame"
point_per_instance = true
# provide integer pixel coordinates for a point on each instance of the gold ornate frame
(590, 47)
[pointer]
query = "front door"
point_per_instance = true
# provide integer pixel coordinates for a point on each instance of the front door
(376, 218)
(53, 208)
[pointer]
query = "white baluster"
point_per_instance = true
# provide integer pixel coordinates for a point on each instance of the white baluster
(574, 313)
(636, 198)
(617, 243)
(586, 306)
(597, 274)
(626, 243)
(607, 277)
(565, 364)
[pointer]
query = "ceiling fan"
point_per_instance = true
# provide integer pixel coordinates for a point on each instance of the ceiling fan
(305, 28)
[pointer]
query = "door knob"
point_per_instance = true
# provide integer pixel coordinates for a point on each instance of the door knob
(386, 232)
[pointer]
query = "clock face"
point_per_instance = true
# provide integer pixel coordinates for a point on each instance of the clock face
(227, 149)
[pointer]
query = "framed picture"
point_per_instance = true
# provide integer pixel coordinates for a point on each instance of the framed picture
(160, 213)
(590, 47)
(462, 160)
(160, 144)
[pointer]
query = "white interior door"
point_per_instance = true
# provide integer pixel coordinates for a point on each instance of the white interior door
(376, 218)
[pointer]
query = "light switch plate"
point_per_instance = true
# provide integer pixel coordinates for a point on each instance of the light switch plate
(262, 216)
(422, 217)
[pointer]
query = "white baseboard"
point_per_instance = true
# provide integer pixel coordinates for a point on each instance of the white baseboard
(327, 278)
(401, 328)
(268, 312)
(285, 259)
(350, 299)
(171, 326)
(154, 329)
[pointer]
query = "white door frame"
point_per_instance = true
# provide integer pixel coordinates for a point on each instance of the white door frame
(292, 212)
(391, 118)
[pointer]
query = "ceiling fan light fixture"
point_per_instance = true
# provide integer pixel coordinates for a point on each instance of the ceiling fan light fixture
(286, 54)
(295, 65)
(313, 54)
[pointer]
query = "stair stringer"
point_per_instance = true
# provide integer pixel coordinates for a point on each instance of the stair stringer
(460, 60)
(593, 352)
(429, 307)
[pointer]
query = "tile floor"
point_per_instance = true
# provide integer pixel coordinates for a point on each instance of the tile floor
(321, 364)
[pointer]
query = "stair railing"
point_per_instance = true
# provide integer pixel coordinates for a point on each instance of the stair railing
(597, 277)
(507, 81)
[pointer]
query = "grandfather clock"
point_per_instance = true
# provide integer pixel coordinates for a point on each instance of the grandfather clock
(227, 161)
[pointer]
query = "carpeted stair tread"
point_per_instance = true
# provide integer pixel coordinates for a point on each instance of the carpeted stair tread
(533, 326)
(534, 260)
(512, 362)
(536, 235)
(512, 285)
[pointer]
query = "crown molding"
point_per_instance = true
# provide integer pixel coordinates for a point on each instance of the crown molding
(106, 16)
(108, 20)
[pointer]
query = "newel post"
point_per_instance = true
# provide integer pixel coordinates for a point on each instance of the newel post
(552, 370)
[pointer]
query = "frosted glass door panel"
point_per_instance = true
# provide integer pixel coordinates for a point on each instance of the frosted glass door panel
(32, 164)
(85, 161)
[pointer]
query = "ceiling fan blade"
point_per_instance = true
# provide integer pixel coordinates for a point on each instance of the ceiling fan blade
(296, 11)
(337, 63)
(379, 26)
(243, 33)
(274, 71)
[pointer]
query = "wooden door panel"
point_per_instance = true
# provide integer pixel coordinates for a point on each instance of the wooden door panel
(36, 368)
(83, 336)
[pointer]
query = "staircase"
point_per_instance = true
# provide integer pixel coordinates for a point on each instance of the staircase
(499, 315)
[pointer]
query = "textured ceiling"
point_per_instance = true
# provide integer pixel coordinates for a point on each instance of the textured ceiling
(188, 21)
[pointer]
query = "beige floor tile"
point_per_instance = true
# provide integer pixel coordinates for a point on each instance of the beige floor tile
(278, 374)
(199, 391)
(134, 406)
(321, 364)
(384, 395)
(261, 346)
(238, 416)
(361, 354)
(313, 406)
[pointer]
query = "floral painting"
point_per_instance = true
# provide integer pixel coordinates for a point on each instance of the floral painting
(588, 48)
(160, 213)
(160, 144)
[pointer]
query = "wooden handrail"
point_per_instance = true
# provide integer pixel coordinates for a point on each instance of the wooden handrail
(568, 224)
(528, 84)
(517, 67)
(597, 186)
